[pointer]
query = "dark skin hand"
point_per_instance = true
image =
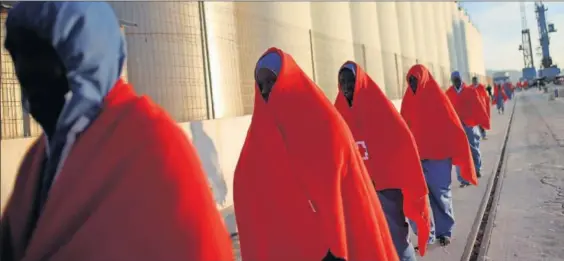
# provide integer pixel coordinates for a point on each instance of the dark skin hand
(41, 74)
(265, 81)
(347, 81)
(413, 83)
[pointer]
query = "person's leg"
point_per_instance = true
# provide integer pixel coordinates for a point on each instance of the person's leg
(474, 140)
(462, 181)
(440, 194)
(473, 137)
(431, 221)
(482, 133)
(392, 204)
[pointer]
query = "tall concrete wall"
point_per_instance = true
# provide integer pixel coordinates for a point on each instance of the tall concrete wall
(261, 25)
(391, 48)
(165, 55)
(460, 40)
(442, 40)
(366, 31)
(421, 47)
(449, 27)
(466, 46)
(407, 39)
(431, 36)
(332, 42)
(225, 88)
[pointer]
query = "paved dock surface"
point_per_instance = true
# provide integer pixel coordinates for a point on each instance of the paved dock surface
(529, 223)
(467, 200)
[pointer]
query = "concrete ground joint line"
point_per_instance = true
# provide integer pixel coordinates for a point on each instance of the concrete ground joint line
(473, 235)
(496, 195)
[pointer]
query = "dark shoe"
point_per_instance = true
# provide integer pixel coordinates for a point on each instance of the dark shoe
(444, 241)
(462, 185)
(478, 174)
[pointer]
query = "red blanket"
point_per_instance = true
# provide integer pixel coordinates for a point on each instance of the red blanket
(132, 188)
(468, 106)
(485, 98)
(435, 125)
(300, 188)
(389, 149)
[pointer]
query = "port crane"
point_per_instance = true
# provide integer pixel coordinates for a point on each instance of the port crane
(548, 71)
(529, 73)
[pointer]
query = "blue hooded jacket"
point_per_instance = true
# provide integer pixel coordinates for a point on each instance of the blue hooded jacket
(88, 40)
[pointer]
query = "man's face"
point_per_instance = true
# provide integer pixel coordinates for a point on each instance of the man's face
(456, 81)
(41, 74)
(265, 81)
(475, 81)
(347, 81)
(413, 82)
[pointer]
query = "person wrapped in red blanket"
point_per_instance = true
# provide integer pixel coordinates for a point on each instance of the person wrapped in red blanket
(485, 99)
(301, 191)
(390, 155)
(112, 177)
(441, 142)
(499, 98)
(468, 105)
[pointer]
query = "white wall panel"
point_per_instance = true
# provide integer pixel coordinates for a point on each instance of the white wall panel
(391, 48)
(364, 20)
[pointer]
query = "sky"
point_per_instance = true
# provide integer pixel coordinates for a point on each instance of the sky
(500, 26)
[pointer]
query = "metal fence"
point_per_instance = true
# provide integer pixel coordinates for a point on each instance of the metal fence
(205, 67)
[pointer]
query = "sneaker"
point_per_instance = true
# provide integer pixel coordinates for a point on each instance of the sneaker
(478, 174)
(462, 185)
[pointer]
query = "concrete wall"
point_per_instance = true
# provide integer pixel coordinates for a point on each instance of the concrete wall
(449, 20)
(218, 142)
(365, 30)
(332, 43)
(223, 57)
(391, 47)
(165, 55)
(261, 25)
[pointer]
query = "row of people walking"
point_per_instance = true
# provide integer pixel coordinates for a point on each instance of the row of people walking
(114, 178)
(344, 177)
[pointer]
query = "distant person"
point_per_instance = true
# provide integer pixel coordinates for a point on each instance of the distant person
(489, 89)
(508, 88)
(441, 142)
(467, 104)
(390, 155)
(499, 98)
(301, 190)
(485, 99)
(112, 177)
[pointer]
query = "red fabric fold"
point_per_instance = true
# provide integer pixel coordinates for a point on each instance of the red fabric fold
(132, 188)
(299, 158)
(485, 99)
(468, 106)
(498, 91)
(389, 149)
(434, 124)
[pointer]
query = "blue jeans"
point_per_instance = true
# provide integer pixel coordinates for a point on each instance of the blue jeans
(392, 204)
(439, 179)
(473, 136)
